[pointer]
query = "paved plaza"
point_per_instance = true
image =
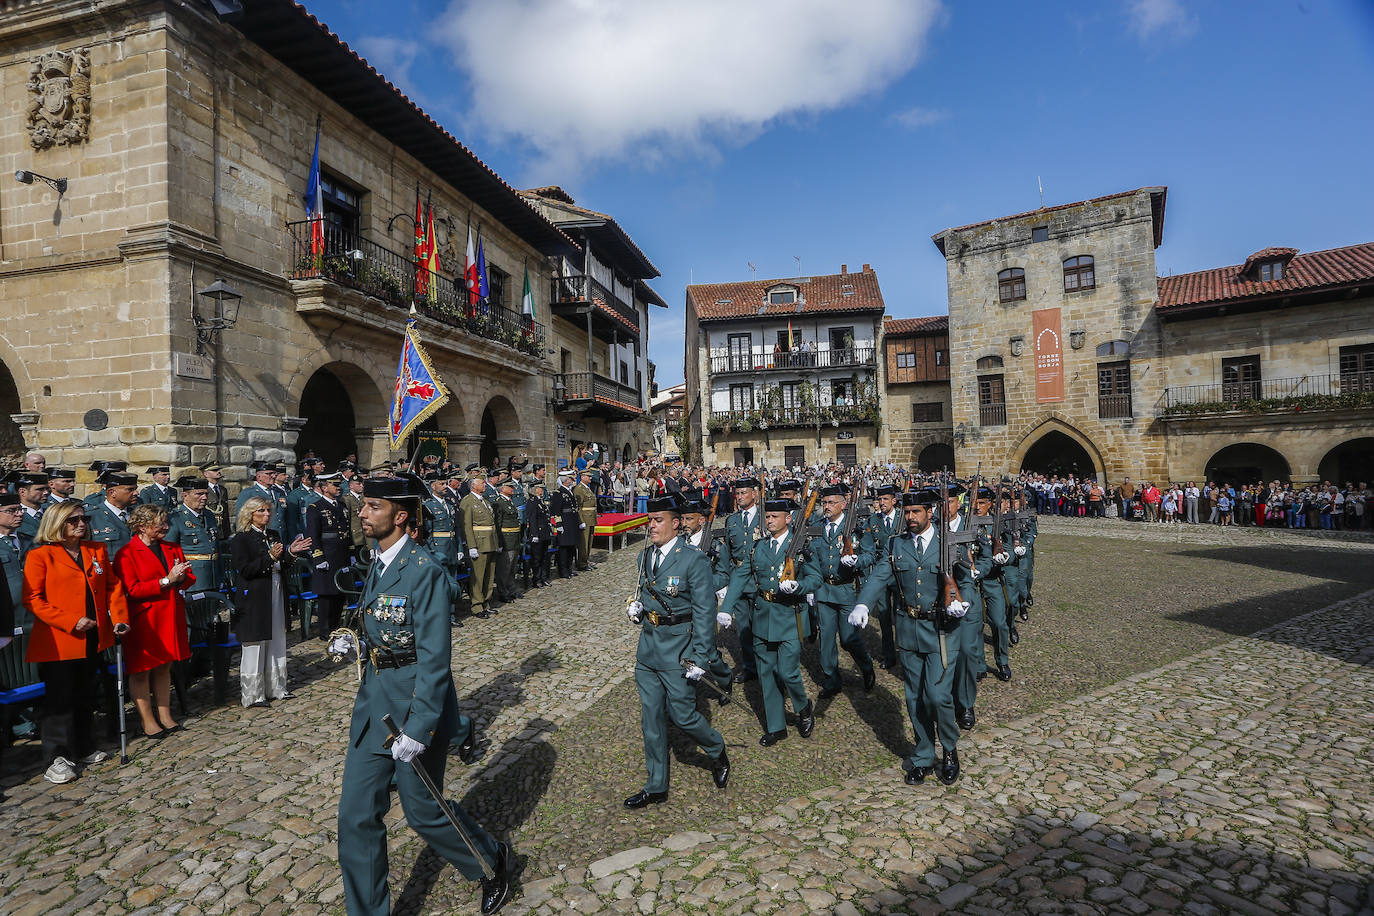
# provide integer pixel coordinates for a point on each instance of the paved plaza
(1233, 778)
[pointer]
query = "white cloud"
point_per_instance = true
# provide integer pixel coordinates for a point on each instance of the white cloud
(1151, 16)
(918, 117)
(582, 81)
(392, 58)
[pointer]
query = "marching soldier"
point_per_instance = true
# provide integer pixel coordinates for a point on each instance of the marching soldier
(882, 525)
(32, 489)
(61, 486)
(585, 498)
(159, 493)
(695, 533)
(196, 529)
(326, 527)
(538, 533)
(742, 529)
(507, 520)
(479, 533)
(994, 590)
(563, 506)
(971, 666)
(779, 620)
(1030, 530)
(673, 605)
(217, 499)
(109, 518)
(1013, 573)
(403, 610)
(840, 573)
(264, 487)
(925, 632)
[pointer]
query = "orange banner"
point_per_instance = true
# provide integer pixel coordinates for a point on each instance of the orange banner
(1049, 356)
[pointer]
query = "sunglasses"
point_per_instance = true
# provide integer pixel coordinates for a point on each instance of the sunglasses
(77, 520)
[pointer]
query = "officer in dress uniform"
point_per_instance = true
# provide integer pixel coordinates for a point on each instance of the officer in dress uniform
(326, 525)
(61, 485)
(993, 590)
(508, 535)
(479, 533)
(196, 529)
(515, 470)
(585, 498)
(97, 496)
(109, 518)
(883, 524)
(780, 621)
(440, 524)
(32, 489)
(159, 493)
(694, 531)
(563, 507)
(674, 606)
(403, 612)
(971, 666)
(298, 500)
(13, 547)
(538, 533)
(742, 528)
(1030, 531)
(217, 498)
(353, 499)
(263, 487)
(1013, 573)
(926, 634)
(840, 574)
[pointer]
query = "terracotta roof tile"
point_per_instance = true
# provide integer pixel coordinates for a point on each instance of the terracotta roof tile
(847, 292)
(930, 324)
(1334, 267)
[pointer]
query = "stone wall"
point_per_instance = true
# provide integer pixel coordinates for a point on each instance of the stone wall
(770, 446)
(903, 437)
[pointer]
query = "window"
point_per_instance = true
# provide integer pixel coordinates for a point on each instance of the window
(839, 394)
(742, 397)
(1011, 284)
(1357, 368)
(1114, 390)
(906, 360)
(791, 400)
(744, 456)
(928, 412)
(497, 282)
(847, 454)
(1240, 378)
(564, 361)
(1040, 233)
(1078, 273)
(1271, 270)
(342, 204)
(624, 373)
(992, 401)
(740, 359)
(941, 357)
(989, 362)
(782, 297)
(793, 455)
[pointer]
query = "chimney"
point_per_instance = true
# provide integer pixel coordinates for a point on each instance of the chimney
(844, 268)
(868, 268)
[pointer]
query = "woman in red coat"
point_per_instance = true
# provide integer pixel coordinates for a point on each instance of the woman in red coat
(78, 608)
(155, 576)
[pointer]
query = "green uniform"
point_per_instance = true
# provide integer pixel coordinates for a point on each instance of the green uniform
(198, 535)
(972, 658)
(741, 530)
(992, 587)
(835, 598)
(440, 525)
(404, 622)
(275, 501)
(12, 551)
(678, 622)
(164, 498)
(779, 622)
(28, 523)
(297, 501)
(881, 528)
(479, 532)
(716, 667)
(107, 527)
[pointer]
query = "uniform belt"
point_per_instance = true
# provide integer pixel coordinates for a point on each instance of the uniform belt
(483, 527)
(780, 598)
(836, 580)
(199, 556)
(442, 534)
(918, 614)
(383, 658)
(515, 530)
(667, 620)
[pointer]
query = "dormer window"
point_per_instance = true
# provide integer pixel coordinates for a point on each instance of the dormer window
(1271, 270)
(782, 295)
(1268, 265)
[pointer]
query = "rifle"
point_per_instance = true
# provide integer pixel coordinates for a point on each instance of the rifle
(948, 541)
(848, 541)
(788, 570)
(708, 546)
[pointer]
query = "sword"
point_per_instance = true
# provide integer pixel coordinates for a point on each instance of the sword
(688, 663)
(425, 778)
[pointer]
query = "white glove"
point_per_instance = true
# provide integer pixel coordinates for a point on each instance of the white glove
(341, 645)
(724, 620)
(810, 599)
(720, 594)
(694, 673)
(859, 616)
(474, 552)
(788, 586)
(406, 748)
(957, 609)
(1001, 559)
(976, 574)
(534, 540)
(1019, 550)
(634, 610)
(323, 564)
(582, 526)
(850, 559)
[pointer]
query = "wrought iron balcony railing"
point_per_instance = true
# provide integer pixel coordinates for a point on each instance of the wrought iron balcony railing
(1333, 391)
(790, 417)
(580, 288)
(762, 361)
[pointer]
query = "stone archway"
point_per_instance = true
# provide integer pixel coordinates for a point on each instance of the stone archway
(11, 436)
(1350, 462)
(341, 405)
(1246, 462)
(1066, 446)
(500, 423)
(935, 457)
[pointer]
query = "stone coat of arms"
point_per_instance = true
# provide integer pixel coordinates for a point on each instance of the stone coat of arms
(59, 111)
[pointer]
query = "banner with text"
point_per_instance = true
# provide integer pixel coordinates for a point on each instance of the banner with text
(1049, 356)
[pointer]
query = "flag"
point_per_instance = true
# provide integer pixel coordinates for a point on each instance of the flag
(431, 259)
(421, 278)
(314, 202)
(483, 286)
(527, 298)
(419, 392)
(791, 341)
(470, 274)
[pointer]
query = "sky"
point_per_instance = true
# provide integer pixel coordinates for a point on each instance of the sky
(724, 132)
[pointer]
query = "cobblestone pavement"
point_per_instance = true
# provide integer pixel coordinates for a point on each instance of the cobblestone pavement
(1235, 780)
(1180, 533)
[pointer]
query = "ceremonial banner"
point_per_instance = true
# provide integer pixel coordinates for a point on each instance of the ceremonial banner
(1049, 356)
(314, 203)
(419, 392)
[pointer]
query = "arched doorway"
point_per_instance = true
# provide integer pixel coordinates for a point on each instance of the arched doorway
(499, 422)
(329, 420)
(1056, 453)
(1349, 462)
(1246, 462)
(487, 453)
(935, 457)
(11, 437)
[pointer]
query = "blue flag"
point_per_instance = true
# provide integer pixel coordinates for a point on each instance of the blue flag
(483, 287)
(419, 392)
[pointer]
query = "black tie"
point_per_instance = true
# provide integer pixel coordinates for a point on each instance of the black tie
(658, 557)
(830, 532)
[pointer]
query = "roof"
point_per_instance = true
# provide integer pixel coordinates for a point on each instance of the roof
(669, 397)
(846, 292)
(303, 44)
(902, 327)
(1333, 269)
(1157, 199)
(601, 228)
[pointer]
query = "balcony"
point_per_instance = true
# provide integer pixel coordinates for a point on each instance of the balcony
(762, 419)
(1305, 394)
(759, 360)
(992, 414)
(570, 296)
(595, 395)
(1113, 406)
(380, 274)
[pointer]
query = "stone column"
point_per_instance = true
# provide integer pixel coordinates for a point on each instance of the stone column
(28, 428)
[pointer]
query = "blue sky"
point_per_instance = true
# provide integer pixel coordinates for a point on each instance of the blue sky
(721, 132)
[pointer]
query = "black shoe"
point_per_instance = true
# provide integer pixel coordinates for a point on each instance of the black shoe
(1030, 600)
(870, 678)
(260, 704)
(1004, 672)
(467, 751)
(483, 615)
(916, 775)
(724, 698)
(887, 663)
(720, 770)
(966, 719)
(771, 738)
(455, 622)
(949, 768)
(1015, 636)
(1023, 613)
(496, 889)
(806, 720)
(159, 735)
(828, 692)
(643, 799)
(743, 675)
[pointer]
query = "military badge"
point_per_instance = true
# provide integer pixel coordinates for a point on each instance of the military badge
(674, 586)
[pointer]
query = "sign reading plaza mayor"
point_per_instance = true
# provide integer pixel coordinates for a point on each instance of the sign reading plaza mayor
(1049, 356)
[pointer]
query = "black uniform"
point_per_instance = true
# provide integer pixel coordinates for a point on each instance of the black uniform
(327, 525)
(538, 538)
(563, 505)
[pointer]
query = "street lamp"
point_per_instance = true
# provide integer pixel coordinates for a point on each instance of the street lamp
(24, 176)
(223, 309)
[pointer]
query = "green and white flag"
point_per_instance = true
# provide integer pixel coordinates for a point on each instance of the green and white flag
(527, 298)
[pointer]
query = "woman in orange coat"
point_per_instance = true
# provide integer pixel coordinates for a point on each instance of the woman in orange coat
(155, 575)
(78, 608)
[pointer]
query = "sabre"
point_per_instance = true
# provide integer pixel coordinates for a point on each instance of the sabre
(425, 778)
(119, 678)
(688, 663)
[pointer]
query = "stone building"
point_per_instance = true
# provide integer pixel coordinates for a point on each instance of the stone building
(185, 143)
(917, 431)
(668, 409)
(600, 331)
(1068, 353)
(785, 372)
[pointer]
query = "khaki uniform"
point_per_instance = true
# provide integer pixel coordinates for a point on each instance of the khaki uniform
(479, 531)
(586, 514)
